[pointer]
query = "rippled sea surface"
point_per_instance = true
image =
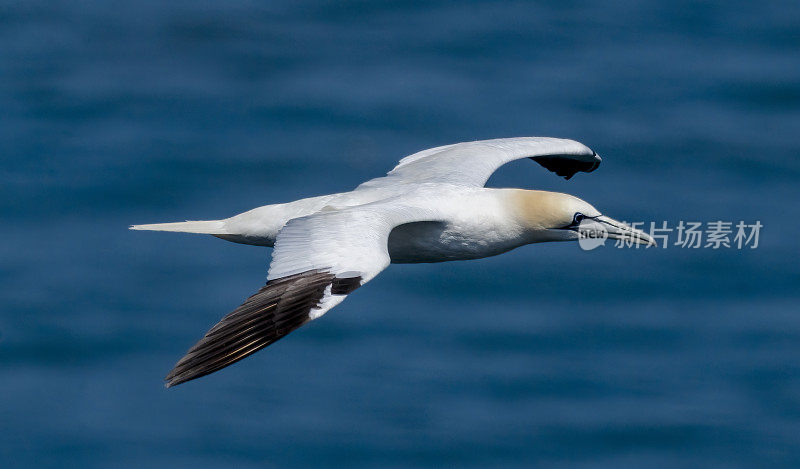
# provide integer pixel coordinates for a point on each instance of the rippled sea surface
(113, 113)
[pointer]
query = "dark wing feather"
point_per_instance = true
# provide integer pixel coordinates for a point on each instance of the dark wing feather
(566, 166)
(280, 307)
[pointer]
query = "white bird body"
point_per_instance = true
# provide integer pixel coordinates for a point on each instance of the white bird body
(431, 208)
(475, 222)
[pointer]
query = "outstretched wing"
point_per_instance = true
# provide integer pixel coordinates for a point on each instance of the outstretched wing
(472, 163)
(318, 260)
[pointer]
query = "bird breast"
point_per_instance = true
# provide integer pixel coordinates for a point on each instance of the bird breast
(459, 239)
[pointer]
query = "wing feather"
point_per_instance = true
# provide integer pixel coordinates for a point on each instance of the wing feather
(472, 163)
(280, 307)
(318, 260)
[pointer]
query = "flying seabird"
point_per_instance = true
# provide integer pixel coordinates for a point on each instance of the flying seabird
(432, 207)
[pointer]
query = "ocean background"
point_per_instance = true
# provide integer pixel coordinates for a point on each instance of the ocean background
(115, 113)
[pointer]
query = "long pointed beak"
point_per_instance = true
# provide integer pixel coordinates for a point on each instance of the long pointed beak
(618, 230)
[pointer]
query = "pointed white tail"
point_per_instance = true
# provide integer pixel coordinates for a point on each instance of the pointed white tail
(212, 227)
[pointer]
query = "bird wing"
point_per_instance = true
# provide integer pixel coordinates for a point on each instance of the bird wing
(318, 260)
(472, 163)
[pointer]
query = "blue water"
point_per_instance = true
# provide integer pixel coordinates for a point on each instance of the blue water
(114, 113)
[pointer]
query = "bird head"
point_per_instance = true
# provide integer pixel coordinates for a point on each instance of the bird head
(553, 216)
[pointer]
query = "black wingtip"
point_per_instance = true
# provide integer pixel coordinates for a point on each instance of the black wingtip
(277, 309)
(171, 381)
(567, 167)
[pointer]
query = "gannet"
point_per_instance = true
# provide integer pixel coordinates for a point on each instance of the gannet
(432, 207)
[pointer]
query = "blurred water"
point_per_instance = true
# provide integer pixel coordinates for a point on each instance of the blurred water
(114, 113)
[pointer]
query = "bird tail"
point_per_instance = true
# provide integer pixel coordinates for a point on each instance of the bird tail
(212, 227)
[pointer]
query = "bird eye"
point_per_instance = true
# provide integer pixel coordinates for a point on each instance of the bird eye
(578, 218)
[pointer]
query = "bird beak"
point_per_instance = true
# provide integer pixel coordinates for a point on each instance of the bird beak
(613, 229)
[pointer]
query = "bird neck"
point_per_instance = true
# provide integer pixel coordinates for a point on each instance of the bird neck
(536, 211)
